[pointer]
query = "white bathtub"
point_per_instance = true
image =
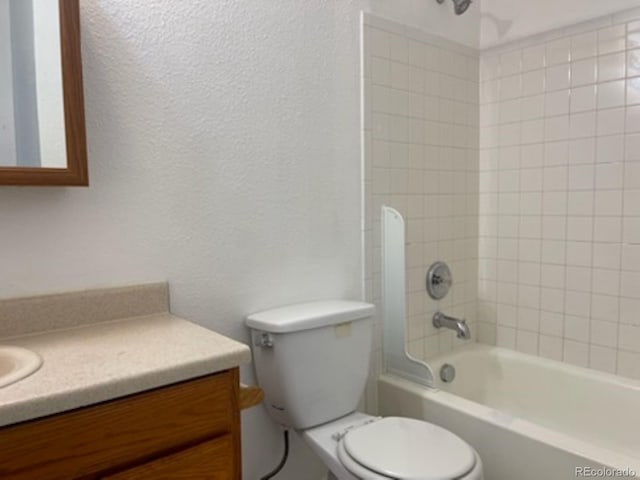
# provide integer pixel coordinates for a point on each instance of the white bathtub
(528, 417)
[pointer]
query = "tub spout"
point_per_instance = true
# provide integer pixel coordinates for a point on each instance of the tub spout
(459, 326)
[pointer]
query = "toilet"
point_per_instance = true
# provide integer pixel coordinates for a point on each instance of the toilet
(312, 361)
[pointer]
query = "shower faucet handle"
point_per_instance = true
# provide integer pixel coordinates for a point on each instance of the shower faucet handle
(439, 280)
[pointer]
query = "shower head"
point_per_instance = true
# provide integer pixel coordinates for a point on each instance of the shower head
(459, 6)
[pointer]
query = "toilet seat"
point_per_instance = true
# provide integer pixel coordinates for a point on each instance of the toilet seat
(406, 449)
(355, 468)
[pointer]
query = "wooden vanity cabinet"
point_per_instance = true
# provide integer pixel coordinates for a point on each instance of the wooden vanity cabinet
(189, 430)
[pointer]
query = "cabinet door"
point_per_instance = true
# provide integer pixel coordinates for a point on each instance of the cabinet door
(107, 437)
(212, 460)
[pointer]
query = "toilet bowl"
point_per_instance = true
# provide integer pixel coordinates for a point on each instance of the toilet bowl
(362, 447)
(312, 361)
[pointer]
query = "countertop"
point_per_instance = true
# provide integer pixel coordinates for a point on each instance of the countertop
(102, 361)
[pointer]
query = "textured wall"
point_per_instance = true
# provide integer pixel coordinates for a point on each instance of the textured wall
(224, 155)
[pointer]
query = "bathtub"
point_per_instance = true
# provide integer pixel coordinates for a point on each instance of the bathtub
(529, 418)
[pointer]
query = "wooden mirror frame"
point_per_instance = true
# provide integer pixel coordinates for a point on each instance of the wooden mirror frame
(76, 173)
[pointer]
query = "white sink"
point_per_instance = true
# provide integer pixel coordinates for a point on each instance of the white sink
(17, 363)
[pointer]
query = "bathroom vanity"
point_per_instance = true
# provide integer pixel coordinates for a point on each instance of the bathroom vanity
(190, 429)
(146, 396)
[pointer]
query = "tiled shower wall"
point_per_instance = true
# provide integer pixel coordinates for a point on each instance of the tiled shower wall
(559, 268)
(421, 157)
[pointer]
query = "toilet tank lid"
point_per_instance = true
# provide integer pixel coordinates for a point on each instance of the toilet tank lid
(305, 316)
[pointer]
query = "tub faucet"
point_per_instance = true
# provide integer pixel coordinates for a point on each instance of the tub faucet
(457, 325)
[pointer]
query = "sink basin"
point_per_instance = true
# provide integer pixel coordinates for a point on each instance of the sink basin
(17, 363)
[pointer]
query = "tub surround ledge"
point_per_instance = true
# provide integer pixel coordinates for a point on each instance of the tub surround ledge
(95, 362)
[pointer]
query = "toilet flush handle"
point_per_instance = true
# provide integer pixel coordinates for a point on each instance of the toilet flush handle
(263, 340)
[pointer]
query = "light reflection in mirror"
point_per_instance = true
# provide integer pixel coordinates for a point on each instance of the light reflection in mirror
(32, 132)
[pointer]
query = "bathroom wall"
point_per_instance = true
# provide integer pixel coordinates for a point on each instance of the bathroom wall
(421, 157)
(560, 195)
(7, 120)
(224, 156)
(50, 109)
(507, 20)
(27, 50)
(428, 16)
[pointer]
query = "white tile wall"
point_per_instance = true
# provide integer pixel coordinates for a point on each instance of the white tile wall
(523, 172)
(559, 183)
(420, 157)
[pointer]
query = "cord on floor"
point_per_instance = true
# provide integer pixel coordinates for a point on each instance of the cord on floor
(275, 471)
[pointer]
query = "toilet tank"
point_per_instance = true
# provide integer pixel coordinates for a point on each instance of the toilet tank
(312, 359)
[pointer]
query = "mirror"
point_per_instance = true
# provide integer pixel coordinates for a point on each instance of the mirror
(42, 127)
